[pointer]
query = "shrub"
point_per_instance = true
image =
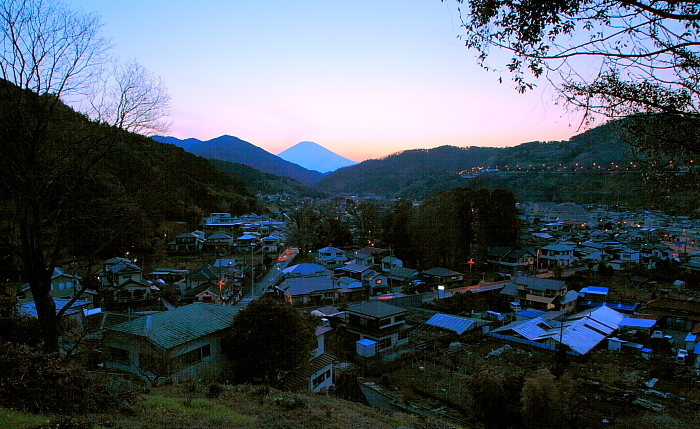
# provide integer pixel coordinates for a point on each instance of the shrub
(38, 382)
(289, 402)
(215, 391)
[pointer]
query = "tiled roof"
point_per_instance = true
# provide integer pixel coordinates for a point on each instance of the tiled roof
(536, 283)
(174, 327)
(441, 272)
(375, 309)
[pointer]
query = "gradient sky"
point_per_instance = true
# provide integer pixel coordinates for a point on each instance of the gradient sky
(363, 78)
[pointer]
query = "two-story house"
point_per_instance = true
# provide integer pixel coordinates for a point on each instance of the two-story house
(63, 285)
(121, 280)
(218, 242)
(378, 322)
(556, 254)
(186, 243)
(331, 257)
(369, 256)
(374, 281)
(317, 374)
(540, 294)
(510, 261)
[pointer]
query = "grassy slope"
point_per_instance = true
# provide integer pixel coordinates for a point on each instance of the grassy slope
(238, 407)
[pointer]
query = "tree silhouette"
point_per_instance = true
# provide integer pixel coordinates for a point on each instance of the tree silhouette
(266, 338)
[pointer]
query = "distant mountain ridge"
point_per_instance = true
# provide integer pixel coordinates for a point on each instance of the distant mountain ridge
(232, 149)
(313, 156)
(420, 173)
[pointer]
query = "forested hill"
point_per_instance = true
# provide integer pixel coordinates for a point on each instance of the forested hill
(257, 181)
(111, 186)
(396, 172)
(420, 173)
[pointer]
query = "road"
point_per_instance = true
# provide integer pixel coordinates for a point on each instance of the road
(269, 279)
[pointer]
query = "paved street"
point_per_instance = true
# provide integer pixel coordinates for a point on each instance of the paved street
(283, 261)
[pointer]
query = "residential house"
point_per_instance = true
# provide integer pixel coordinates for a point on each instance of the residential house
(510, 261)
(167, 275)
(171, 345)
(316, 375)
(369, 256)
(247, 241)
(352, 290)
(556, 254)
(391, 262)
(331, 257)
(317, 290)
(63, 285)
(78, 311)
(401, 276)
(270, 244)
(435, 277)
(186, 243)
(589, 251)
(306, 270)
(623, 258)
(218, 242)
(376, 321)
(375, 282)
(540, 294)
(580, 333)
(121, 280)
(680, 314)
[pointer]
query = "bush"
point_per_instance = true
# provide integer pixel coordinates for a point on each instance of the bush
(289, 402)
(215, 391)
(38, 383)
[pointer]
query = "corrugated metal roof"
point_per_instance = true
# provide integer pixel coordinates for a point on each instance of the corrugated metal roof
(174, 327)
(529, 329)
(637, 323)
(452, 323)
(29, 307)
(597, 290)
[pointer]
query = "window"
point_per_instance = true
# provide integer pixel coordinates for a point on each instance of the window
(378, 281)
(194, 356)
(403, 335)
(384, 322)
(399, 318)
(119, 355)
(384, 343)
(320, 379)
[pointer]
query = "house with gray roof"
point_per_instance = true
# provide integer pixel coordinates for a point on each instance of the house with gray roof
(540, 294)
(556, 254)
(171, 345)
(376, 321)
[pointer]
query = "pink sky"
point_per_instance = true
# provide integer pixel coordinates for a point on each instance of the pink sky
(364, 78)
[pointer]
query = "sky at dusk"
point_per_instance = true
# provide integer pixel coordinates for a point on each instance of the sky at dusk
(363, 78)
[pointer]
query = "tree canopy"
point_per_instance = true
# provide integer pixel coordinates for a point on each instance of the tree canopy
(615, 57)
(633, 59)
(268, 337)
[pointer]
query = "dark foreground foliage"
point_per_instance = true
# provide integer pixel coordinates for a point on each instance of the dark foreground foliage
(46, 383)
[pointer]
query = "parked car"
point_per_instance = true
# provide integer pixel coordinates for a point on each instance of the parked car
(682, 356)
